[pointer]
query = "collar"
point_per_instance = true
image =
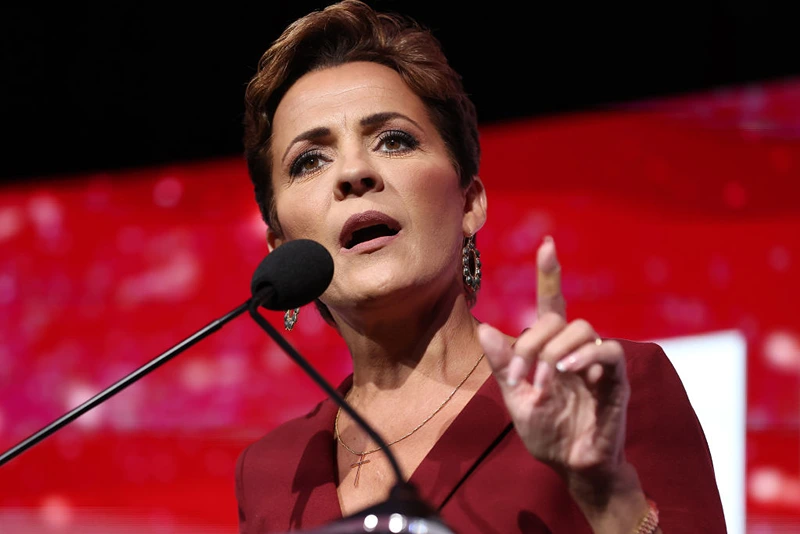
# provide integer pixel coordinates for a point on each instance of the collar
(472, 435)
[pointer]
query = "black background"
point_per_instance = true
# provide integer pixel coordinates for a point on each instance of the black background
(118, 86)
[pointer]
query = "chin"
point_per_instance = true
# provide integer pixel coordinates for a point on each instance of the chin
(370, 290)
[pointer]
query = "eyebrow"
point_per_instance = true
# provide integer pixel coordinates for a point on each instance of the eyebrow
(385, 116)
(313, 133)
(370, 120)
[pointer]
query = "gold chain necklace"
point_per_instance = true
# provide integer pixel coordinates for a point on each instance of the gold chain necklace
(361, 461)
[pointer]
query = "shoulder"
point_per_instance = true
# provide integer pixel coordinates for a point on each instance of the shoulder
(290, 464)
(655, 384)
(280, 471)
(260, 480)
(285, 440)
(635, 350)
(284, 437)
(666, 443)
(647, 359)
(657, 393)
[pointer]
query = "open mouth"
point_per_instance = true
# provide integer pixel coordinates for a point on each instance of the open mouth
(369, 233)
(367, 226)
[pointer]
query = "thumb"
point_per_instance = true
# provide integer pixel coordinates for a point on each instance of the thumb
(507, 368)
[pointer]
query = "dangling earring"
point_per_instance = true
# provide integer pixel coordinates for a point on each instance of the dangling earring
(290, 318)
(471, 258)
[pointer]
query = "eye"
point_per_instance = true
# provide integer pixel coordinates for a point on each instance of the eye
(396, 141)
(306, 163)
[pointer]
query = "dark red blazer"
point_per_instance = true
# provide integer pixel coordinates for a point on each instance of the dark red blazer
(479, 476)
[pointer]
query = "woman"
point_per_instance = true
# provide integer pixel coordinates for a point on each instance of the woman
(360, 136)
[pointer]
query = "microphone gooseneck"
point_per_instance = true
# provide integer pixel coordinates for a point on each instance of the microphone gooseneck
(327, 387)
(281, 281)
(291, 276)
(121, 384)
(300, 272)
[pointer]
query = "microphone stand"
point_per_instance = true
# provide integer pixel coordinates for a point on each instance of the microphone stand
(403, 502)
(403, 497)
(121, 384)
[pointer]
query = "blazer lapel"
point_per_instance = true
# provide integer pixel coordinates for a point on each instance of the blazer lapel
(316, 501)
(473, 434)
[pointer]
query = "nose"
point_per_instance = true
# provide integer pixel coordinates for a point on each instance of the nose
(356, 176)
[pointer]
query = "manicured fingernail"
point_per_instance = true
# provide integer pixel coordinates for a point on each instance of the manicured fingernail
(565, 364)
(516, 367)
(542, 373)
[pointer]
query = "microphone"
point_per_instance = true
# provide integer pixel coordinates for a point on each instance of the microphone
(292, 275)
(301, 271)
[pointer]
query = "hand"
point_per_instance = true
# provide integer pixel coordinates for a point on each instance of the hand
(571, 413)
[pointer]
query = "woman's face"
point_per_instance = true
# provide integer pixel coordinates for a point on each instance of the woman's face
(359, 167)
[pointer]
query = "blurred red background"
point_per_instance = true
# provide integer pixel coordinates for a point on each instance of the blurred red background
(672, 218)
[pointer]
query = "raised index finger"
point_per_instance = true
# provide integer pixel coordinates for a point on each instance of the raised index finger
(548, 280)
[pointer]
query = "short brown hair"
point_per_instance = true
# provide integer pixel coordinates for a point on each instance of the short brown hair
(344, 32)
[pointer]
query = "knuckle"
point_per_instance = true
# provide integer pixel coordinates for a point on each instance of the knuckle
(582, 326)
(614, 347)
(549, 354)
(552, 319)
(526, 342)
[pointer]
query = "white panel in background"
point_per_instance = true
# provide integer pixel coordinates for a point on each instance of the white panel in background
(713, 370)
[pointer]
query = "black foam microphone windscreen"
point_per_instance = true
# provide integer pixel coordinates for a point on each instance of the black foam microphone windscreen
(292, 275)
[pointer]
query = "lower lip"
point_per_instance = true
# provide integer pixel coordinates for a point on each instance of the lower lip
(370, 246)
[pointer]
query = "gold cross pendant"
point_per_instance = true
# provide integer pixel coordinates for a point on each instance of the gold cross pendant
(361, 461)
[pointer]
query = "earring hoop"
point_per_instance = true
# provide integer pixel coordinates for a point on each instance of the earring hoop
(471, 260)
(290, 318)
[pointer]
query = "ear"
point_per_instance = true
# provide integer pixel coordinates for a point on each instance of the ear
(474, 207)
(274, 240)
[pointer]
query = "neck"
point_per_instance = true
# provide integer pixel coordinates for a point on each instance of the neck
(392, 348)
